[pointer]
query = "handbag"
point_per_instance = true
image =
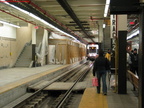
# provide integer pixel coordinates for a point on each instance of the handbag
(95, 81)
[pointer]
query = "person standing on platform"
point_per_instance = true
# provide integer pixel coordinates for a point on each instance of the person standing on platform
(134, 60)
(108, 55)
(101, 65)
(129, 60)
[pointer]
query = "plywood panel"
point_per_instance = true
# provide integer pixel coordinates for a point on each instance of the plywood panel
(68, 51)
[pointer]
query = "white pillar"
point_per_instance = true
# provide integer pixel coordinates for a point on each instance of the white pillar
(33, 35)
(121, 22)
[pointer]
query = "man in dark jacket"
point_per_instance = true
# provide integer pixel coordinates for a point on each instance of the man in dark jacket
(101, 65)
(134, 60)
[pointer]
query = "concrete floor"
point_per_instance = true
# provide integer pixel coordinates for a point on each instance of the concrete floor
(114, 100)
(14, 74)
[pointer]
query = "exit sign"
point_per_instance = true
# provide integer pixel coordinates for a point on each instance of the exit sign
(131, 23)
(36, 27)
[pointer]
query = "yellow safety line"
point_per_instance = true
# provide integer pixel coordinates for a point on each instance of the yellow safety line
(15, 84)
(91, 99)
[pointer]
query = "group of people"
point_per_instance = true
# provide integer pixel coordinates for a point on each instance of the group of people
(132, 61)
(101, 65)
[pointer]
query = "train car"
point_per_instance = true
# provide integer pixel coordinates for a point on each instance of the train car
(92, 51)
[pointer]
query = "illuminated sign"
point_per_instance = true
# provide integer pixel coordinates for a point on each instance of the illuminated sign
(36, 27)
(131, 23)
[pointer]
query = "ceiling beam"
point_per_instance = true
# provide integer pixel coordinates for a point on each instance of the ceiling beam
(31, 9)
(69, 10)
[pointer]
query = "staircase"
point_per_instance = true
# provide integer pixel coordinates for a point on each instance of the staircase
(25, 57)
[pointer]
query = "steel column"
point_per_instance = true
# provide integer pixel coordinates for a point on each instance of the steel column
(122, 86)
(33, 55)
(141, 59)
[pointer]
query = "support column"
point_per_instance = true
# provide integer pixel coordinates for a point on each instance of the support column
(122, 86)
(47, 59)
(141, 59)
(122, 34)
(33, 46)
(33, 55)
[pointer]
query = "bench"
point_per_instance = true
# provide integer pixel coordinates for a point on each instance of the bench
(133, 79)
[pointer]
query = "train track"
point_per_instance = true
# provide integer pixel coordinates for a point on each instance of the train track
(63, 98)
(39, 98)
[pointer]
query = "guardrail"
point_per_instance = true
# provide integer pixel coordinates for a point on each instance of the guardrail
(133, 79)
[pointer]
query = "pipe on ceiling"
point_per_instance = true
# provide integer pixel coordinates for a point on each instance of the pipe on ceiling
(54, 19)
(69, 11)
(31, 7)
(25, 20)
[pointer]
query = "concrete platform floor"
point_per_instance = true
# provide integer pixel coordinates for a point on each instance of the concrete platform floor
(14, 74)
(91, 99)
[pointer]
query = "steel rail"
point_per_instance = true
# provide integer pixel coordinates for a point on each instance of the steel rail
(39, 91)
(66, 95)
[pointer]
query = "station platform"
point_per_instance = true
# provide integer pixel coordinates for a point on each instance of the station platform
(14, 78)
(14, 81)
(91, 99)
(11, 75)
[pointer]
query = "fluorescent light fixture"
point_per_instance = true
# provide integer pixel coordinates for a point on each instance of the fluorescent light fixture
(10, 24)
(104, 25)
(133, 34)
(50, 25)
(16, 7)
(37, 18)
(106, 8)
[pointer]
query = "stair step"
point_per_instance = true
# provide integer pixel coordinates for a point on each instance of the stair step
(25, 58)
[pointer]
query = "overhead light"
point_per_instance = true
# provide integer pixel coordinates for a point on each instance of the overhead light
(133, 34)
(38, 18)
(10, 24)
(50, 25)
(106, 8)
(104, 25)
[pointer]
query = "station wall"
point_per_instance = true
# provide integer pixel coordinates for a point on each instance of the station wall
(61, 49)
(10, 48)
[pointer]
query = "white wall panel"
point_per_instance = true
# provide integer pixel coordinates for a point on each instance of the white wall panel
(7, 31)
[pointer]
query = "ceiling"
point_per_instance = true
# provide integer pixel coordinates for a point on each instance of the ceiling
(80, 18)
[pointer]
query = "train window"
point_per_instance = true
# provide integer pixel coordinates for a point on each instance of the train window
(92, 49)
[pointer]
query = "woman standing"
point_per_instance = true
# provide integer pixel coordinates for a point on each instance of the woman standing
(101, 65)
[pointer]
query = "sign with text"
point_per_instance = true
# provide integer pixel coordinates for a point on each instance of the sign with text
(113, 31)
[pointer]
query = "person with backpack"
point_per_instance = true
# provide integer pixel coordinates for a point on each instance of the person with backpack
(108, 55)
(101, 65)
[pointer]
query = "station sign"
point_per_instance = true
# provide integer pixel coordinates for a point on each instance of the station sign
(113, 26)
(113, 31)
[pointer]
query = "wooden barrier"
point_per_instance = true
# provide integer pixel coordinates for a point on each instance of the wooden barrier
(67, 51)
(133, 79)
